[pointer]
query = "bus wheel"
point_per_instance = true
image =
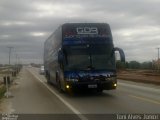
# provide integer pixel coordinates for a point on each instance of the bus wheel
(48, 79)
(58, 84)
(59, 87)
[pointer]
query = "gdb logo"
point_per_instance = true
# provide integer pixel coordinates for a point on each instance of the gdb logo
(87, 30)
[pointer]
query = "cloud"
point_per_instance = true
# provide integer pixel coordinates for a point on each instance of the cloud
(26, 24)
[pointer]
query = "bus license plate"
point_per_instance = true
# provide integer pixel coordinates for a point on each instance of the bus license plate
(92, 86)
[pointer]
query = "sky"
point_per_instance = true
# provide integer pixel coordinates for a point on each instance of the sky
(26, 24)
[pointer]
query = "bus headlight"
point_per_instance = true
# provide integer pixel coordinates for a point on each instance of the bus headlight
(67, 86)
(115, 85)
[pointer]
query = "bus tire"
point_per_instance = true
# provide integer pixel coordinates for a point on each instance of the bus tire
(58, 83)
(59, 87)
(46, 74)
(48, 79)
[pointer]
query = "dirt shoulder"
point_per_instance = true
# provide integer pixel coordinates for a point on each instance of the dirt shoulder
(145, 76)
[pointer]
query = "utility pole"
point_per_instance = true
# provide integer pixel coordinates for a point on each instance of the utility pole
(158, 53)
(7, 94)
(10, 48)
(158, 60)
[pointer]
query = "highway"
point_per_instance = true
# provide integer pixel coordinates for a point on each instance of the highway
(32, 95)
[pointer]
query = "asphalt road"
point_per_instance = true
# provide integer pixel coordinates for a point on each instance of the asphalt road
(32, 95)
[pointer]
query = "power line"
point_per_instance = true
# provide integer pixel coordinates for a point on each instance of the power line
(158, 60)
(10, 48)
(8, 78)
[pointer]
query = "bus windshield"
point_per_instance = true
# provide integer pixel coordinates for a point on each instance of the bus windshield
(89, 57)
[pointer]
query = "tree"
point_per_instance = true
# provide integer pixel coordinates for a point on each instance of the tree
(146, 65)
(134, 65)
(120, 65)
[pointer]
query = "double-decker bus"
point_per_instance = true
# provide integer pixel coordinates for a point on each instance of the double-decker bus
(81, 56)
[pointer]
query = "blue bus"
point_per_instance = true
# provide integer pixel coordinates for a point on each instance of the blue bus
(80, 56)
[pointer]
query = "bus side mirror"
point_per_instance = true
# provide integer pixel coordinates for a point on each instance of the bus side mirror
(122, 55)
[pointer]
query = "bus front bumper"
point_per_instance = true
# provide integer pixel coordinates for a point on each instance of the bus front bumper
(101, 85)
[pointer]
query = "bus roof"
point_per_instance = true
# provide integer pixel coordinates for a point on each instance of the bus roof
(88, 24)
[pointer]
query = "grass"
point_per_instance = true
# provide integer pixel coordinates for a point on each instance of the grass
(2, 90)
(4, 72)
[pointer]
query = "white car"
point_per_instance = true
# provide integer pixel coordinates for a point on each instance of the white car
(41, 71)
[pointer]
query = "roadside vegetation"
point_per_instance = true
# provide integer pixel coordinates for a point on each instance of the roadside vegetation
(2, 90)
(147, 72)
(134, 65)
(8, 73)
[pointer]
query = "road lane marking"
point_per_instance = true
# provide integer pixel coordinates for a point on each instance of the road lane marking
(145, 99)
(82, 117)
